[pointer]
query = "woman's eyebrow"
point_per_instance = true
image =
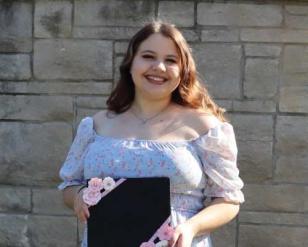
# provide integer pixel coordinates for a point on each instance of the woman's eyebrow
(169, 55)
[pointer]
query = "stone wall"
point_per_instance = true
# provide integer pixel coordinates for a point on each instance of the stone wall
(59, 59)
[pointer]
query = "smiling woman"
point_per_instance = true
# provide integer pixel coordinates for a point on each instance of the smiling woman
(161, 122)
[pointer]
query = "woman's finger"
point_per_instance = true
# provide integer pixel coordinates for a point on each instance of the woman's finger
(173, 240)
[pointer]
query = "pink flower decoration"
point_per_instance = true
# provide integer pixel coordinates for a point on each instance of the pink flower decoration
(165, 232)
(147, 244)
(91, 197)
(108, 183)
(95, 184)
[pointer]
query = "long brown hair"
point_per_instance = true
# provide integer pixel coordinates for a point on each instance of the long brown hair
(190, 92)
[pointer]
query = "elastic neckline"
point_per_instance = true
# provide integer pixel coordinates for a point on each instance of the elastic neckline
(119, 139)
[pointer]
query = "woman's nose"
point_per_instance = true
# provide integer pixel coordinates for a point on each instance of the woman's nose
(159, 65)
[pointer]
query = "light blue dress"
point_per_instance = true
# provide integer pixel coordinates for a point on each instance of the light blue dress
(198, 169)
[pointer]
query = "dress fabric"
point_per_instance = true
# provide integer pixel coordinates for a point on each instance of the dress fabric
(198, 169)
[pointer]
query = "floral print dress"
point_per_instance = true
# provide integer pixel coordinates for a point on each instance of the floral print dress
(198, 169)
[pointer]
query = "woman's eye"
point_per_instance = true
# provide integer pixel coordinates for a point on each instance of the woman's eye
(171, 61)
(148, 56)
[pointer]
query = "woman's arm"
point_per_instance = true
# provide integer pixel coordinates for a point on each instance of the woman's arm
(217, 214)
(72, 197)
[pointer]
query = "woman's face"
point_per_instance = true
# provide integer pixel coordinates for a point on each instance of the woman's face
(156, 68)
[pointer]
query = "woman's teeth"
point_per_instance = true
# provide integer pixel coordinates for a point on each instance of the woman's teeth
(156, 78)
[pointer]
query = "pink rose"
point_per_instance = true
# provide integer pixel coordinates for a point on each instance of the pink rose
(96, 184)
(91, 197)
(147, 244)
(165, 232)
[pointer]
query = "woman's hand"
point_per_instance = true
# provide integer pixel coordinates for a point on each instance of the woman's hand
(81, 208)
(183, 236)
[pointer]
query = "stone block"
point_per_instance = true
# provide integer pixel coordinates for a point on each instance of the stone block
(273, 218)
(190, 35)
(261, 78)
(292, 136)
(47, 108)
(254, 105)
(291, 170)
(227, 104)
(49, 201)
(233, 14)
(15, 199)
(118, 61)
(258, 50)
(295, 65)
(217, 35)
(255, 160)
(276, 198)
(225, 236)
(73, 59)
(179, 13)
(15, 26)
(220, 65)
(53, 19)
(118, 33)
(274, 35)
(32, 153)
(91, 102)
(113, 13)
(253, 127)
(120, 47)
(296, 9)
(293, 99)
(82, 113)
(39, 87)
(15, 67)
(272, 236)
(53, 231)
(14, 230)
(296, 21)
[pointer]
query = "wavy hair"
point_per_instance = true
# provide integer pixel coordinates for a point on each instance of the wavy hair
(190, 92)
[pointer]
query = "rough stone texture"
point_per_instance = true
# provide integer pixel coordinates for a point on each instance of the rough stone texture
(221, 68)
(15, 26)
(52, 19)
(255, 156)
(291, 170)
(220, 35)
(276, 198)
(53, 231)
(296, 17)
(49, 201)
(261, 78)
(295, 65)
(15, 199)
(254, 105)
(14, 230)
(120, 47)
(297, 9)
(82, 113)
(179, 13)
(225, 236)
(91, 87)
(68, 59)
(253, 127)
(119, 33)
(272, 236)
(293, 99)
(257, 50)
(22, 145)
(239, 14)
(292, 136)
(106, 13)
(274, 35)
(190, 35)
(273, 218)
(91, 102)
(23, 107)
(15, 67)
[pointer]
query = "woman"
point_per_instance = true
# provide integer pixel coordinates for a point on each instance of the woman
(161, 122)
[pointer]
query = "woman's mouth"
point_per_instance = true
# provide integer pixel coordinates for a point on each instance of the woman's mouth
(156, 79)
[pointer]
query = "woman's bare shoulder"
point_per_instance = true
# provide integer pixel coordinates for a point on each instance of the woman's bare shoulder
(199, 120)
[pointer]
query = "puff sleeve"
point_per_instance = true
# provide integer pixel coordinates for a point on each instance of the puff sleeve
(71, 171)
(217, 151)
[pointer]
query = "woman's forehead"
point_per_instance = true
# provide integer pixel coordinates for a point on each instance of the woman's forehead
(158, 43)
